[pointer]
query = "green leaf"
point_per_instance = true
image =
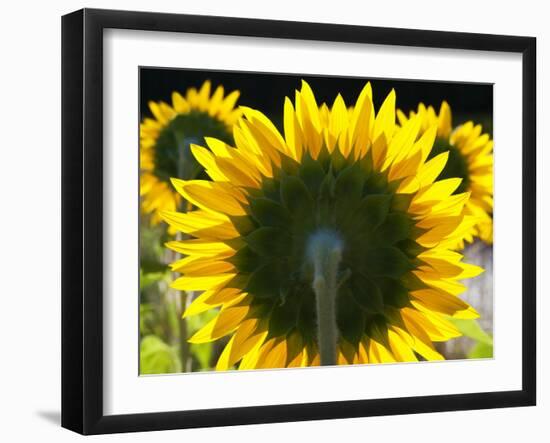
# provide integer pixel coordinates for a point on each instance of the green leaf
(349, 183)
(289, 165)
(265, 281)
(202, 353)
(243, 224)
(337, 160)
(246, 260)
(148, 278)
(295, 196)
(349, 317)
(366, 293)
(173, 317)
(386, 262)
(146, 318)
(156, 357)
(270, 189)
(284, 317)
(394, 293)
(373, 210)
(401, 202)
(481, 350)
(410, 247)
(326, 188)
(471, 328)
(270, 242)
(269, 213)
(325, 197)
(397, 227)
(312, 173)
(152, 248)
(307, 317)
(376, 184)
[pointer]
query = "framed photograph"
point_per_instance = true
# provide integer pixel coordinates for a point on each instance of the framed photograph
(269, 221)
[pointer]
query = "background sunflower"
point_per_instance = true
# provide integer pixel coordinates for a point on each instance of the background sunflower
(470, 158)
(166, 135)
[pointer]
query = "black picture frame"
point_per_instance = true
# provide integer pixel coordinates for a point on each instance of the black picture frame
(82, 220)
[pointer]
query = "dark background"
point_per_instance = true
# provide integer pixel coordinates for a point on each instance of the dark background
(266, 92)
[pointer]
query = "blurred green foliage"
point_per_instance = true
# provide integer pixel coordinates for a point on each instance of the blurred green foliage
(481, 350)
(483, 342)
(472, 329)
(156, 357)
(163, 347)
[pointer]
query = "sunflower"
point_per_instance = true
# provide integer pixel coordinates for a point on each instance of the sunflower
(470, 158)
(165, 141)
(328, 245)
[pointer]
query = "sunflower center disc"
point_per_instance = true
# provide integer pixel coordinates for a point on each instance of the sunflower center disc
(330, 203)
(182, 131)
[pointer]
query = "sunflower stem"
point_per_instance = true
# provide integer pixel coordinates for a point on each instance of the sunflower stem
(184, 296)
(325, 253)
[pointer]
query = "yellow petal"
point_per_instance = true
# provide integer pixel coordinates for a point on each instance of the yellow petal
(467, 314)
(385, 120)
(263, 352)
(201, 224)
(437, 191)
(439, 301)
(204, 95)
(186, 283)
(402, 142)
(293, 133)
(443, 267)
(226, 322)
(338, 120)
(158, 113)
(445, 120)
(379, 353)
(215, 197)
(444, 330)
(447, 285)
(180, 104)
(362, 121)
(439, 228)
(428, 352)
(223, 363)
(203, 248)
(311, 103)
(251, 357)
(275, 357)
(212, 298)
(401, 117)
(268, 130)
(452, 206)
(236, 172)
(379, 149)
(400, 349)
(215, 101)
(229, 103)
(197, 268)
(259, 143)
(310, 122)
(208, 161)
(431, 169)
(425, 142)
